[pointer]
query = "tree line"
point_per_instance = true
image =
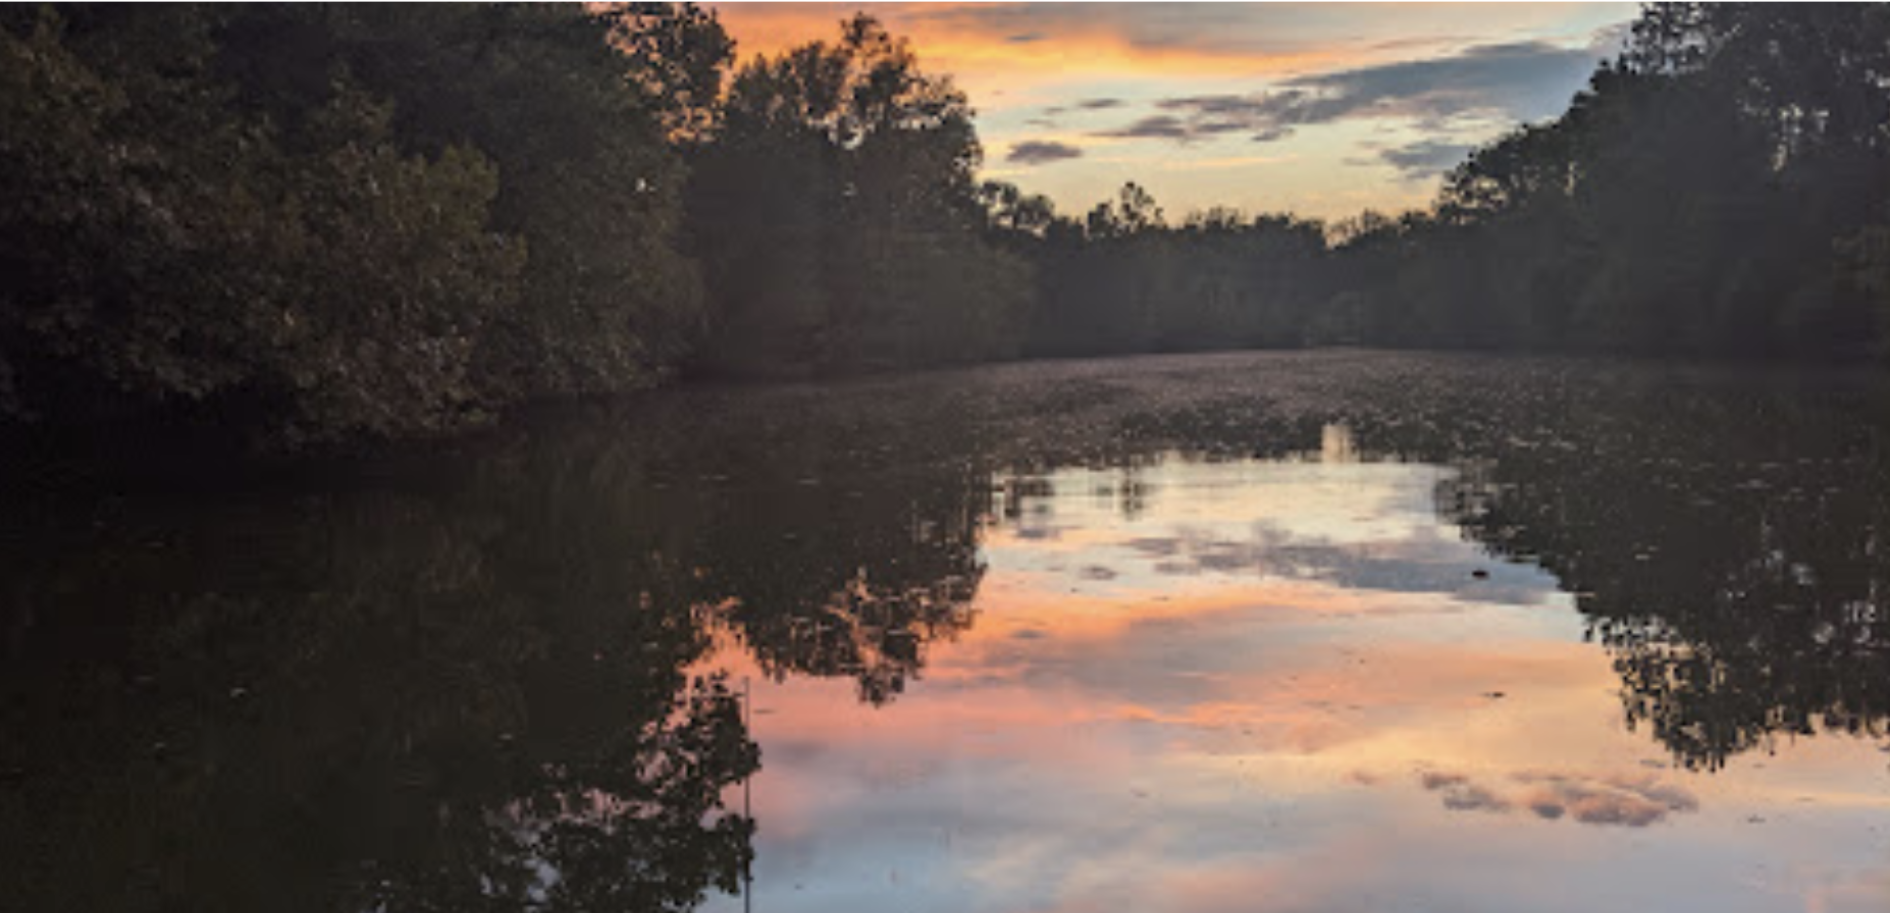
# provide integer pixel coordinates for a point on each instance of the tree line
(286, 225)
(312, 224)
(1718, 189)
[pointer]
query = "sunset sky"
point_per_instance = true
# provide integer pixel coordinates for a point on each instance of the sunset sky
(1322, 110)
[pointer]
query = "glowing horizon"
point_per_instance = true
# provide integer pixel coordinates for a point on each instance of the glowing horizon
(1323, 111)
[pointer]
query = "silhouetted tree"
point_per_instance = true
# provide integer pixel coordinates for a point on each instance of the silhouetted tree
(314, 224)
(1691, 200)
(321, 224)
(1123, 280)
(838, 216)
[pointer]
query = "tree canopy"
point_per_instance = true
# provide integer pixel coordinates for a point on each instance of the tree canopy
(284, 226)
(319, 223)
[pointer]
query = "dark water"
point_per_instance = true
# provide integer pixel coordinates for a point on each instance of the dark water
(1331, 631)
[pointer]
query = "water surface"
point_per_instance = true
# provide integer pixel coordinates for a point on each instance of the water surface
(1333, 631)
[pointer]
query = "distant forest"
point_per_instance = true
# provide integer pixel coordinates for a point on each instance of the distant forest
(284, 226)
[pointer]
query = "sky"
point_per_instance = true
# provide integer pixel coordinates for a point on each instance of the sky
(1322, 110)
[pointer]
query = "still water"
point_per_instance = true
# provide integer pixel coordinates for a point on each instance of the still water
(1289, 632)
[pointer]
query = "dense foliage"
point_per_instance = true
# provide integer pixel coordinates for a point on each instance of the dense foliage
(838, 220)
(1719, 189)
(285, 224)
(1123, 280)
(334, 222)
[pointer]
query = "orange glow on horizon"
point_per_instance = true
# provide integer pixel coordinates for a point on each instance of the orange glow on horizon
(991, 67)
(1085, 76)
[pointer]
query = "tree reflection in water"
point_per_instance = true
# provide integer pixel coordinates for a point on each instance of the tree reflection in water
(460, 692)
(472, 689)
(1728, 548)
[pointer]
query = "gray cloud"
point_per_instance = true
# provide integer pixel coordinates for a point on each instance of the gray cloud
(1041, 152)
(1473, 798)
(1155, 126)
(1461, 795)
(1426, 158)
(1025, 38)
(1046, 116)
(1621, 801)
(1425, 563)
(1517, 81)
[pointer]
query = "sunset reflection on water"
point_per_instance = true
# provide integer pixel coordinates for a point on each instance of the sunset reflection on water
(1274, 685)
(1259, 632)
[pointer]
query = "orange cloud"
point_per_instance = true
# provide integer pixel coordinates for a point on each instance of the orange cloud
(1096, 69)
(986, 44)
(1006, 51)
(1039, 665)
